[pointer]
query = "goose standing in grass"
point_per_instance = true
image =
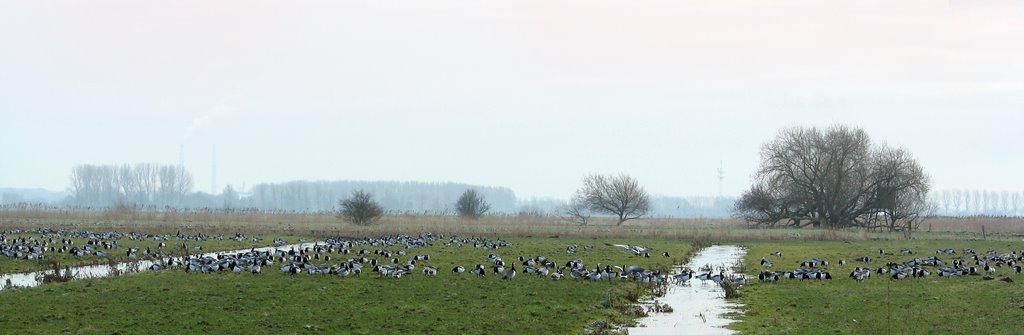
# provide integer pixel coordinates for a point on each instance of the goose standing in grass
(510, 274)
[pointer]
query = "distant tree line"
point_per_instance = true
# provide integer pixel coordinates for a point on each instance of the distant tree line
(144, 184)
(979, 202)
(156, 187)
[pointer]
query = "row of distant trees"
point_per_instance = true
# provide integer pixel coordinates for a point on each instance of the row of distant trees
(979, 202)
(144, 184)
(154, 186)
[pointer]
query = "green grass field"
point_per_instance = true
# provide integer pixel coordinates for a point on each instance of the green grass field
(224, 303)
(879, 305)
(170, 302)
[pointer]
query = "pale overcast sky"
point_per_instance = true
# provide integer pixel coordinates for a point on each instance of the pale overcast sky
(530, 95)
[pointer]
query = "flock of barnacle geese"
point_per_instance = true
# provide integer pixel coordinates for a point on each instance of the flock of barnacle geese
(390, 258)
(386, 256)
(970, 264)
(99, 244)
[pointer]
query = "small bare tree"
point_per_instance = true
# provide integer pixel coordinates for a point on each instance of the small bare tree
(576, 211)
(619, 195)
(471, 205)
(360, 208)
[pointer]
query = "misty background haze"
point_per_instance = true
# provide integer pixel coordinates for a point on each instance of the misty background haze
(521, 98)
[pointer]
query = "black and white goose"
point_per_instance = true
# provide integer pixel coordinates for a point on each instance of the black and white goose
(684, 277)
(478, 270)
(767, 276)
(510, 274)
(718, 278)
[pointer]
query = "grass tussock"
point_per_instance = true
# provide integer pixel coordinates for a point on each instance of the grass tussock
(624, 298)
(732, 291)
(604, 327)
(56, 274)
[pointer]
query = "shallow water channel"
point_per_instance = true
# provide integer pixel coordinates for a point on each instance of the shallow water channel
(100, 271)
(698, 308)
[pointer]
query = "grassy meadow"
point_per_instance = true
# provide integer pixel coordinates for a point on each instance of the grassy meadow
(879, 305)
(225, 303)
(173, 301)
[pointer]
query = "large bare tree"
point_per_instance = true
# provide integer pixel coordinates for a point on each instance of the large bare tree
(834, 178)
(902, 189)
(619, 195)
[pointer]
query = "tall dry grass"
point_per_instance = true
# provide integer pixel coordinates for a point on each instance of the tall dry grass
(973, 224)
(701, 231)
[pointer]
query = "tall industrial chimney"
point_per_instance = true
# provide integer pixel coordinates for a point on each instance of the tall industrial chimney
(213, 173)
